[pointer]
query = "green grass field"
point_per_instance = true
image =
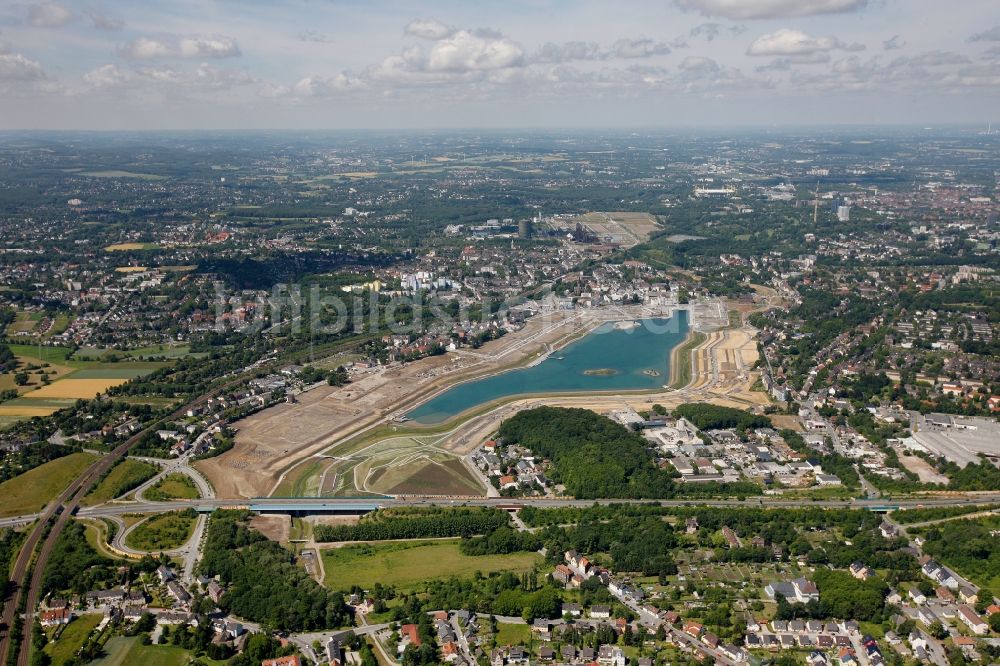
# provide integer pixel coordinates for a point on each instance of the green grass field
(513, 634)
(72, 638)
(121, 651)
(162, 532)
(30, 491)
(407, 564)
(172, 486)
(119, 173)
(100, 353)
(131, 472)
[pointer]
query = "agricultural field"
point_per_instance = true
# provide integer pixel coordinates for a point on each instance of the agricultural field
(123, 477)
(75, 388)
(118, 173)
(172, 486)
(29, 492)
(396, 466)
(72, 638)
(130, 247)
(162, 532)
(408, 564)
(139, 353)
(57, 378)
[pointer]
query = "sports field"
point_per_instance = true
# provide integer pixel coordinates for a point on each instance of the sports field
(29, 492)
(407, 564)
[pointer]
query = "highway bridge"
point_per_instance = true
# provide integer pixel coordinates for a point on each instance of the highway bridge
(309, 506)
(316, 506)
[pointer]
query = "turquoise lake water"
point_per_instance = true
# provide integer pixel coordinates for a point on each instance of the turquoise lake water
(639, 357)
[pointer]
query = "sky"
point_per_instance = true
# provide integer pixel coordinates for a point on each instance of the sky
(342, 64)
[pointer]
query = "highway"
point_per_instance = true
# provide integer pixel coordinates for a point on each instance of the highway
(353, 504)
(317, 504)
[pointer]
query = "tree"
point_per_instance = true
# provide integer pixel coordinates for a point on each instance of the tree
(938, 631)
(995, 622)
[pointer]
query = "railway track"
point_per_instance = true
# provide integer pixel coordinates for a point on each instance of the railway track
(63, 508)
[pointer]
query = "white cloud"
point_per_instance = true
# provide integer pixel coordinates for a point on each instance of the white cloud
(787, 62)
(208, 76)
(148, 48)
(49, 15)
(208, 47)
(769, 9)
(144, 48)
(707, 30)
(107, 76)
(787, 42)
(204, 77)
(317, 86)
(991, 35)
(567, 52)
(314, 37)
(102, 21)
(699, 64)
(464, 51)
(15, 67)
(638, 48)
(428, 29)
(893, 43)
(932, 59)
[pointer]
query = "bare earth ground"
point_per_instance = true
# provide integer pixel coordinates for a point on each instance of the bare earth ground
(275, 528)
(333, 520)
(922, 469)
(787, 421)
(624, 228)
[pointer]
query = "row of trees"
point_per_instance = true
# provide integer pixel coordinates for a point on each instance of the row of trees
(445, 522)
(705, 416)
(500, 541)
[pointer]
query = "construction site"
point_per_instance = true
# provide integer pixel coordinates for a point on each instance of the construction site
(354, 440)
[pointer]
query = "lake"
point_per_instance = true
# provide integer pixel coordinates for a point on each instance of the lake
(614, 356)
